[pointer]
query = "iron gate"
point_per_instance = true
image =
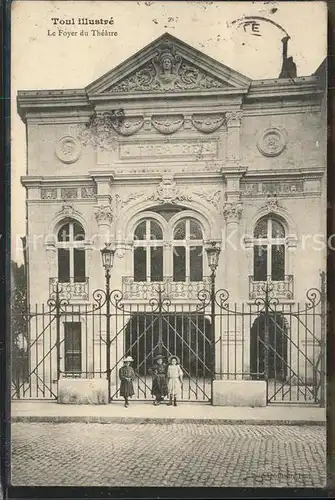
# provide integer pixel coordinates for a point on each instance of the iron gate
(281, 343)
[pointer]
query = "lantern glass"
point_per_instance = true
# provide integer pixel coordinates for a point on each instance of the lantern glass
(107, 256)
(213, 252)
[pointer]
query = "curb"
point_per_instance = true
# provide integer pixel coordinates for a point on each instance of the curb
(163, 421)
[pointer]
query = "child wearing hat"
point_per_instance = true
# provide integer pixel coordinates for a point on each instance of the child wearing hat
(159, 379)
(127, 375)
(175, 379)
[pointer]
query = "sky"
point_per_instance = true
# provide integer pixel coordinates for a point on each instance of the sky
(218, 29)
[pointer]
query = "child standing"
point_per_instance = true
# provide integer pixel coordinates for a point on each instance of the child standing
(159, 380)
(175, 379)
(127, 375)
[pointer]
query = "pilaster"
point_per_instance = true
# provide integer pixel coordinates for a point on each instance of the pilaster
(233, 122)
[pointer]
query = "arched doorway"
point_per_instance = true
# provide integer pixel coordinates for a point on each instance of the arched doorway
(277, 348)
(188, 335)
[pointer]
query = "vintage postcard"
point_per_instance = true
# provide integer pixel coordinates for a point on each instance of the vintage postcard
(169, 244)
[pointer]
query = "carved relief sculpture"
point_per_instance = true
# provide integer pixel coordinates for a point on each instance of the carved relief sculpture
(67, 210)
(69, 193)
(98, 133)
(272, 142)
(88, 192)
(207, 123)
(130, 197)
(68, 149)
(104, 214)
(211, 196)
(232, 212)
(167, 71)
(48, 193)
(167, 124)
(168, 192)
(271, 202)
(233, 118)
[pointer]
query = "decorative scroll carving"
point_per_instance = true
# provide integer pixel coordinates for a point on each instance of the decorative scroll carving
(48, 193)
(88, 192)
(168, 192)
(272, 142)
(233, 118)
(68, 149)
(127, 125)
(207, 123)
(167, 71)
(232, 212)
(130, 197)
(104, 214)
(167, 124)
(69, 193)
(211, 196)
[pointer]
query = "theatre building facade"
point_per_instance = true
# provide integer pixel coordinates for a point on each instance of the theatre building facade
(208, 191)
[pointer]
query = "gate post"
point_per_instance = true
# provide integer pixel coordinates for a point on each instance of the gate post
(108, 334)
(58, 313)
(323, 340)
(266, 341)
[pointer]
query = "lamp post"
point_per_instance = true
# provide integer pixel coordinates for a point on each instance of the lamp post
(107, 256)
(213, 252)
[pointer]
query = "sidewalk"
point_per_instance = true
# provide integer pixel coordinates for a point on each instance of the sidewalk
(51, 411)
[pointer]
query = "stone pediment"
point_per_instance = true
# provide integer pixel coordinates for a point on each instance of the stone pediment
(169, 65)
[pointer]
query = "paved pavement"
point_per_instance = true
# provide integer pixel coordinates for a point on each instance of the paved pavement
(50, 411)
(79, 454)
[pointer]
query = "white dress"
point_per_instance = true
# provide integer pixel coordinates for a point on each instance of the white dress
(175, 376)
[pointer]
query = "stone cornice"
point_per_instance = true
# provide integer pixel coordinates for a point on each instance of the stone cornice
(301, 86)
(310, 172)
(29, 101)
(37, 181)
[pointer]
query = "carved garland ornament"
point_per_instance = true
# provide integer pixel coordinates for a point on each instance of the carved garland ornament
(167, 124)
(167, 71)
(207, 123)
(272, 142)
(127, 125)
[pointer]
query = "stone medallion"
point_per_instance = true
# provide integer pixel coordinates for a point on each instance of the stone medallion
(68, 149)
(272, 142)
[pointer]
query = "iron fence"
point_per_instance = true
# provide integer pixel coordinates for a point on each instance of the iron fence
(266, 339)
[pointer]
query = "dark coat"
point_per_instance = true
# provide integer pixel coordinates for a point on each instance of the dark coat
(159, 380)
(127, 375)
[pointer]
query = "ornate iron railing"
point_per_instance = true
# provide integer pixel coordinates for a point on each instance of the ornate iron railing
(283, 289)
(71, 290)
(144, 290)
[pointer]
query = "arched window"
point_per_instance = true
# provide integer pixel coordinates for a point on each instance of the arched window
(71, 252)
(269, 250)
(148, 251)
(187, 246)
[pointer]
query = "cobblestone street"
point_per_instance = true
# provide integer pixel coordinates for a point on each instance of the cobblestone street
(79, 454)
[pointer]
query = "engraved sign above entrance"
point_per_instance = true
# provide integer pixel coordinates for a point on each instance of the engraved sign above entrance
(194, 148)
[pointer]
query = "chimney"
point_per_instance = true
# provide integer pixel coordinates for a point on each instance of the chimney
(289, 69)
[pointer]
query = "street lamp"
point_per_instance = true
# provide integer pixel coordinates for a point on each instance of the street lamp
(107, 256)
(213, 252)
